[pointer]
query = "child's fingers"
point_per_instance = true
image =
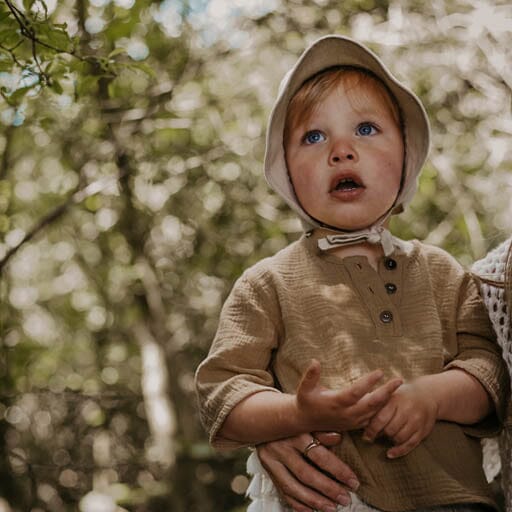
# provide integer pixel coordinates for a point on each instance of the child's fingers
(396, 429)
(379, 422)
(360, 387)
(310, 378)
(404, 448)
(382, 394)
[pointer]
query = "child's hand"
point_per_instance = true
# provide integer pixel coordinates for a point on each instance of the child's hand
(346, 409)
(407, 418)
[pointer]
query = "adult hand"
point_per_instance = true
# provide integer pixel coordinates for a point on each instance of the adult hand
(306, 486)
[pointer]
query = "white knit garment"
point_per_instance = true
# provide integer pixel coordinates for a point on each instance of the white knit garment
(498, 452)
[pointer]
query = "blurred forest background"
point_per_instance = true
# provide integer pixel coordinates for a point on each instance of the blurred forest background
(132, 196)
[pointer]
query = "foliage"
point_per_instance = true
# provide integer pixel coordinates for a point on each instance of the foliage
(131, 197)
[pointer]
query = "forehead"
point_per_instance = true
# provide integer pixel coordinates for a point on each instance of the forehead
(362, 97)
(362, 90)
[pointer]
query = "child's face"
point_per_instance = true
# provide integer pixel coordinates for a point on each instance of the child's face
(345, 161)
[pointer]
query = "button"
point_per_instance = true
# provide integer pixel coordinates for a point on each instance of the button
(390, 288)
(386, 317)
(390, 263)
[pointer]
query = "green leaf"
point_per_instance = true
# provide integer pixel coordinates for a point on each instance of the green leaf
(16, 97)
(86, 85)
(4, 223)
(93, 203)
(56, 87)
(55, 37)
(9, 36)
(57, 68)
(112, 89)
(5, 66)
(117, 51)
(27, 4)
(142, 66)
(47, 123)
(4, 16)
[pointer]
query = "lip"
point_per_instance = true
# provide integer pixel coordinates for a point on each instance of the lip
(348, 174)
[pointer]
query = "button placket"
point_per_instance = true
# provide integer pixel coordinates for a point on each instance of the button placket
(371, 287)
(386, 317)
(391, 271)
(390, 263)
(390, 288)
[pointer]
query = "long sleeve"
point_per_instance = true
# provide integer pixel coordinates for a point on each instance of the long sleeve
(479, 355)
(240, 356)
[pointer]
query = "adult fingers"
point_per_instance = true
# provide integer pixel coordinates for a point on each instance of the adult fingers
(313, 502)
(379, 422)
(296, 505)
(329, 439)
(332, 465)
(300, 483)
(295, 476)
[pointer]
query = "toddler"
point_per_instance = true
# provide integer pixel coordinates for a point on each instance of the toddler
(350, 328)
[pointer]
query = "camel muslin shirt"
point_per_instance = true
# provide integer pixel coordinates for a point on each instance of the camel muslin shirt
(419, 313)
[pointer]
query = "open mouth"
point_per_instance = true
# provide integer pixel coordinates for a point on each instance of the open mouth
(346, 184)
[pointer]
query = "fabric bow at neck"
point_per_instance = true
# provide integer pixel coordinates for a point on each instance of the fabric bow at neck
(374, 235)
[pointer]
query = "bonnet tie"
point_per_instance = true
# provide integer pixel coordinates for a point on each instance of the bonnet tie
(374, 235)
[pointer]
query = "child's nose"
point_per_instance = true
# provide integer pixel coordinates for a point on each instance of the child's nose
(342, 152)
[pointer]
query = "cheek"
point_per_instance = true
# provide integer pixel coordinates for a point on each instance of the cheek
(304, 190)
(300, 175)
(393, 165)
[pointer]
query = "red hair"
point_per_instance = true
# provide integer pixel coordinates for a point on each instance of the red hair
(357, 83)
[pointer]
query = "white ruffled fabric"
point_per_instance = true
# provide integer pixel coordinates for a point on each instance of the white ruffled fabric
(262, 492)
(265, 498)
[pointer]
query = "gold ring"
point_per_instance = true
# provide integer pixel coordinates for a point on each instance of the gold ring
(313, 444)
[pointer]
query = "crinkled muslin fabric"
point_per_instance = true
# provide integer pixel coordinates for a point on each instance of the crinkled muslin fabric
(285, 310)
(265, 498)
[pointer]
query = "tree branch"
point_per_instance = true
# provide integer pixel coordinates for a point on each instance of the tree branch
(29, 33)
(4, 162)
(79, 195)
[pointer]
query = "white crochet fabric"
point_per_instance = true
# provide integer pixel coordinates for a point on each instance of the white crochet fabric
(493, 267)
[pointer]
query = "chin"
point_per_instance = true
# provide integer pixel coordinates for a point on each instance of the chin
(349, 226)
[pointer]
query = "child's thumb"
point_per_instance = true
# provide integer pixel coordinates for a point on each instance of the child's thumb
(310, 377)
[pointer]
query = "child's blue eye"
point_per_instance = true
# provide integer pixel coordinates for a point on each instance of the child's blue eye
(314, 137)
(366, 129)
